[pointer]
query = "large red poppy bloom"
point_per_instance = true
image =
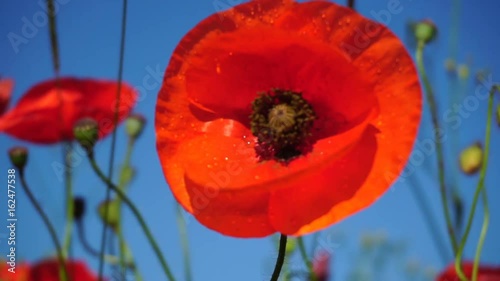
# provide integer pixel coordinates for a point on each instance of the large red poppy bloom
(48, 270)
(6, 86)
(351, 80)
(485, 273)
(46, 113)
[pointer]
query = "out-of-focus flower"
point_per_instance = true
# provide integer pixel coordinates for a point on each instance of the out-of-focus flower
(485, 273)
(463, 71)
(333, 117)
(48, 270)
(425, 31)
(46, 113)
(321, 266)
(17, 271)
(471, 159)
(6, 86)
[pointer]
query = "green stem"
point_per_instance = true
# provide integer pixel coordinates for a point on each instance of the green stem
(439, 149)
(136, 213)
(69, 197)
(126, 253)
(60, 256)
(303, 254)
(482, 237)
(281, 258)
(430, 220)
(80, 232)
(122, 183)
(181, 223)
(479, 190)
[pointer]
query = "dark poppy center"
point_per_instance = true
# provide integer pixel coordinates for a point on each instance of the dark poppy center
(282, 121)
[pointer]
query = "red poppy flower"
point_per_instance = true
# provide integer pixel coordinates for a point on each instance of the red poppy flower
(18, 273)
(321, 266)
(48, 270)
(485, 273)
(277, 116)
(40, 117)
(6, 86)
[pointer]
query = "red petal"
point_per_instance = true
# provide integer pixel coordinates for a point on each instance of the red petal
(48, 270)
(6, 86)
(37, 116)
(485, 273)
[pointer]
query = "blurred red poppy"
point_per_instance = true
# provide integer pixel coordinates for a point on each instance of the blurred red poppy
(19, 272)
(6, 86)
(277, 116)
(48, 270)
(485, 273)
(321, 266)
(43, 115)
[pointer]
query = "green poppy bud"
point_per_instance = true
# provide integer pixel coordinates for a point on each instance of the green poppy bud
(113, 216)
(471, 159)
(86, 132)
(463, 71)
(134, 125)
(18, 157)
(425, 31)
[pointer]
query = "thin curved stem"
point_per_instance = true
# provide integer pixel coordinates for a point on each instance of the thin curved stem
(69, 197)
(482, 237)
(303, 254)
(430, 220)
(122, 183)
(479, 190)
(281, 258)
(60, 256)
(439, 148)
(136, 213)
(113, 137)
(181, 223)
(80, 232)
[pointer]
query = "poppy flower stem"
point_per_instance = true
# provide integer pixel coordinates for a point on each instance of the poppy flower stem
(303, 254)
(80, 232)
(181, 223)
(479, 190)
(439, 148)
(63, 273)
(68, 150)
(125, 176)
(281, 258)
(136, 213)
(113, 136)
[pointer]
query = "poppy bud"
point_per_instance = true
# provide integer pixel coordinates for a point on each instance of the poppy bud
(425, 31)
(86, 132)
(78, 208)
(113, 216)
(18, 157)
(463, 71)
(471, 159)
(134, 125)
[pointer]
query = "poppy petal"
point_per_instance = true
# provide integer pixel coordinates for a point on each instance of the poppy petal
(237, 66)
(485, 272)
(37, 116)
(398, 92)
(6, 86)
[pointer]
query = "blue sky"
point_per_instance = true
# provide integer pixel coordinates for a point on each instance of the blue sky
(89, 42)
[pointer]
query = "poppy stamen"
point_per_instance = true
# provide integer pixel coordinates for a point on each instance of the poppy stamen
(282, 121)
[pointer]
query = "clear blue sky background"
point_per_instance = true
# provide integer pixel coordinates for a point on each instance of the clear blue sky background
(89, 42)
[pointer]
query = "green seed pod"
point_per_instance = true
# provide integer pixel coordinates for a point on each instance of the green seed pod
(471, 159)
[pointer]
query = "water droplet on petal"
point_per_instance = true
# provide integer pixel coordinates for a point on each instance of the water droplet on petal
(217, 68)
